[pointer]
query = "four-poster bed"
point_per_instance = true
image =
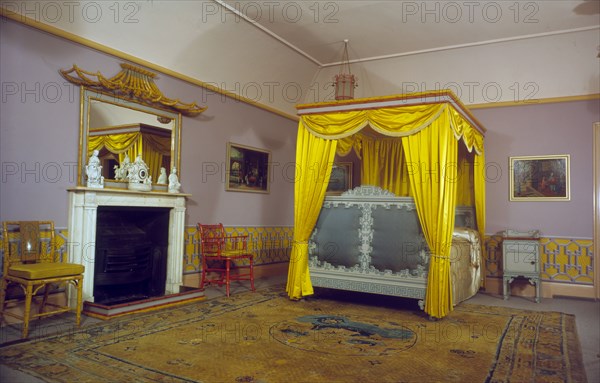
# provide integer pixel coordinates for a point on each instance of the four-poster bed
(424, 146)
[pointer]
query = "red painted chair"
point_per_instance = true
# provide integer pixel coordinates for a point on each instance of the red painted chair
(219, 251)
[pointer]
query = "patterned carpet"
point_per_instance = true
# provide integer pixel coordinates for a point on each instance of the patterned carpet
(332, 337)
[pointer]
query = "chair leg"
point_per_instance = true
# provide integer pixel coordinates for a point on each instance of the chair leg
(227, 271)
(26, 315)
(252, 273)
(3, 286)
(79, 306)
(203, 274)
(45, 299)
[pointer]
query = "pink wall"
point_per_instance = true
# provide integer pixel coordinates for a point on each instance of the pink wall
(531, 130)
(39, 133)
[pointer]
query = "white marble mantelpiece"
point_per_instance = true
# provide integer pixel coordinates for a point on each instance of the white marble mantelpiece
(83, 208)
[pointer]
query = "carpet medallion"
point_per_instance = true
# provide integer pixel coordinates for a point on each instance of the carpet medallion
(265, 337)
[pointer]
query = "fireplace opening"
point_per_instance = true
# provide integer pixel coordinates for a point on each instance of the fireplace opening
(131, 254)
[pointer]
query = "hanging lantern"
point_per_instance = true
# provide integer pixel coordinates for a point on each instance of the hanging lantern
(344, 82)
(344, 86)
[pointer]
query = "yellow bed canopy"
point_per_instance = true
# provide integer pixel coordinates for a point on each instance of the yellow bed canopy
(411, 147)
(152, 142)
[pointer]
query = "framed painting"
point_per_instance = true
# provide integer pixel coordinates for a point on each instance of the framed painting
(341, 178)
(540, 178)
(247, 169)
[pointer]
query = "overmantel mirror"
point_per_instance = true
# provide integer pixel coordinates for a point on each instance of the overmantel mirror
(124, 117)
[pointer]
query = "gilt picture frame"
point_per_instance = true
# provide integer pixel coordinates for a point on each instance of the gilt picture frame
(247, 169)
(540, 178)
(341, 178)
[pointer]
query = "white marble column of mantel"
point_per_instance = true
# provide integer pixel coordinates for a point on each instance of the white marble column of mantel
(176, 248)
(83, 208)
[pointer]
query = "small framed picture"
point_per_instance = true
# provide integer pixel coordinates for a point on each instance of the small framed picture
(247, 169)
(540, 178)
(341, 178)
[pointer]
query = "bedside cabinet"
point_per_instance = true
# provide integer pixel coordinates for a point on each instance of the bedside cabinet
(521, 258)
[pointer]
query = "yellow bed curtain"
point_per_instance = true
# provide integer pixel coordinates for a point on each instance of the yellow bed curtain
(433, 183)
(314, 160)
(115, 143)
(421, 128)
(384, 165)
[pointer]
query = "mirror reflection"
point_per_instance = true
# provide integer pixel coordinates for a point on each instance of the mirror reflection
(121, 130)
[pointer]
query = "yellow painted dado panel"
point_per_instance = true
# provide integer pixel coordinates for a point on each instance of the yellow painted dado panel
(563, 260)
(269, 244)
(566, 260)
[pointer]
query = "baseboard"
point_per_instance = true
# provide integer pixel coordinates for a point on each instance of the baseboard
(553, 289)
(522, 288)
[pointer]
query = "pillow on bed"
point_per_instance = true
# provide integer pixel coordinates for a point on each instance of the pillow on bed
(472, 236)
(466, 233)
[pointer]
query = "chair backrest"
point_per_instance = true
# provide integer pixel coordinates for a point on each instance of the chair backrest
(28, 242)
(212, 238)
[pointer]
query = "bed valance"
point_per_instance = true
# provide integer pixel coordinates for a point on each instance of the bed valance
(398, 120)
(429, 126)
(131, 141)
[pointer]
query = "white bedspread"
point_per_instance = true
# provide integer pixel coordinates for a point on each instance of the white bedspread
(465, 264)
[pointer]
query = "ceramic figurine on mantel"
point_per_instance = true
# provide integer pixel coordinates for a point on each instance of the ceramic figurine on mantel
(121, 171)
(138, 176)
(174, 185)
(162, 178)
(93, 171)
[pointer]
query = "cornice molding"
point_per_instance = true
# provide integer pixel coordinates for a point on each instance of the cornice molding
(539, 101)
(467, 45)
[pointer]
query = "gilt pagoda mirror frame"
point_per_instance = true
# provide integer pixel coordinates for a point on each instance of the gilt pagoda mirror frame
(126, 115)
(127, 102)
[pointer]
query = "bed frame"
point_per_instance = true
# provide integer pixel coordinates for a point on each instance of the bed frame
(369, 240)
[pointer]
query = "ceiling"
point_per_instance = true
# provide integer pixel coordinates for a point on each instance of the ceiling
(378, 30)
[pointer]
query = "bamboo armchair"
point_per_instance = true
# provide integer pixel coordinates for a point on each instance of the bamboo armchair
(30, 261)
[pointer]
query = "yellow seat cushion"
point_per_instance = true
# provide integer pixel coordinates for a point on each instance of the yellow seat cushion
(45, 270)
(225, 253)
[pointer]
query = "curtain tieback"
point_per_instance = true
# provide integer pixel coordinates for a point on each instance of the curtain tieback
(300, 242)
(440, 256)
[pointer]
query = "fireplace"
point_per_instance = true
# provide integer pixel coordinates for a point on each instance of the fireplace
(162, 228)
(131, 253)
